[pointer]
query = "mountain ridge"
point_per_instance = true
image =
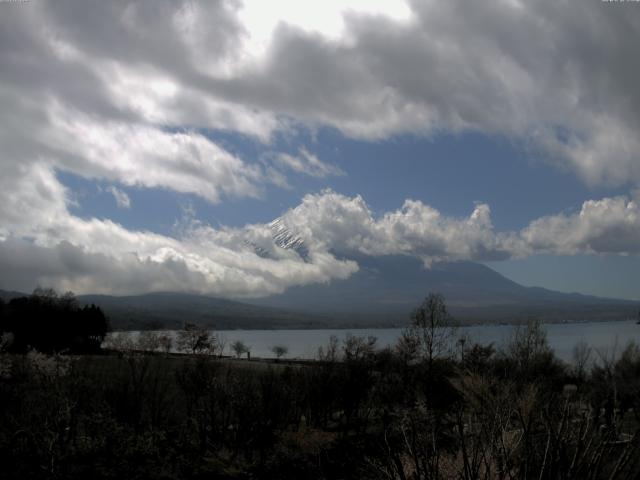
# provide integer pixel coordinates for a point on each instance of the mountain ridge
(391, 287)
(382, 293)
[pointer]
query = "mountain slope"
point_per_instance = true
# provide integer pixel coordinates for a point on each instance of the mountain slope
(387, 289)
(382, 293)
(172, 310)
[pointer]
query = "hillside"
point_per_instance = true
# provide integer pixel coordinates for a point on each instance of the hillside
(382, 293)
(387, 289)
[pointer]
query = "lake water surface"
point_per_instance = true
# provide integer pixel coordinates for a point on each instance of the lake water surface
(605, 337)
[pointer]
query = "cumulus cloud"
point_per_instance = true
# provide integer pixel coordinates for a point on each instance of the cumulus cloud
(347, 225)
(608, 225)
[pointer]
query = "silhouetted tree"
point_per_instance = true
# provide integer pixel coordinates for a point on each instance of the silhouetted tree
(148, 341)
(280, 351)
(239, 348)
(431, 330)
(166, 342)
(48, 322)
(359, 348)
(194, 339)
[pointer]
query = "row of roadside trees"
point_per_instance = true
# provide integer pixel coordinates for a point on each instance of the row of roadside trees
(192, 339)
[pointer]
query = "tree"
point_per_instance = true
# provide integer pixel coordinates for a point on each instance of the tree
(528, 345)
(48, 322)
(431, 327)
(408, 346)
(279, 351)
(121, 342)
(166, 342)
(359, 348)
(194, 339)
(148, 341)
(581, 356)
(239, 348)
(330, 352)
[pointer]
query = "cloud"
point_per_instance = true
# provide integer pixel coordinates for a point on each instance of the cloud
(126, 92)
(608, 225)
(135, 154)
(559, 78)
(122, 199)
(106, 258)
(54, 247)
(308, 163)
(346, 225)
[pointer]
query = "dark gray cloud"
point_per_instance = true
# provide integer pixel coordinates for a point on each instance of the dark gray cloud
(24, 265)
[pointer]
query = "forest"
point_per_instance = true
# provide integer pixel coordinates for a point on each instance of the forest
(48, 322)
(434, 406)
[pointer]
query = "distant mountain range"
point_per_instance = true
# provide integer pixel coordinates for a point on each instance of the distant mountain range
(382, 293)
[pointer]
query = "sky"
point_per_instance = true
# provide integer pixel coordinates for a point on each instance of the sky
(151, 146)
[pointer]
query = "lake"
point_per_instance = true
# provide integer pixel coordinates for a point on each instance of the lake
(605, 337)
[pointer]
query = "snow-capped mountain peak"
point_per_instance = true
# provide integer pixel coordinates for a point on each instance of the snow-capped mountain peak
(283, 237)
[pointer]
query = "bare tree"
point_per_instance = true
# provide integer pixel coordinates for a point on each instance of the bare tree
(166, 342)
(120, 341)
(239, 348)
(194, 339)
(408, 346)
(581, 357)
(280, 351)
(221, 344)
(431, 327)
(359, 348)
(330, 352)
(528, 344)
(148, 341)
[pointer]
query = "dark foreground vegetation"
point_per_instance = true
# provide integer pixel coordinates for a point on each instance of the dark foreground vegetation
(420, 410)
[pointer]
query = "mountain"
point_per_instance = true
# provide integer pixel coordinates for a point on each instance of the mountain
(386, 289)
(8, 295)
(173, 310)
(382, 293)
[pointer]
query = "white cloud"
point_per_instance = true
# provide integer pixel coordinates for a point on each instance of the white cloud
(122, 92)
(558, 77)
(135, 154)
(308, 163)
(608, 225)
(121, 198)
(42, 242)
(347, 225)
